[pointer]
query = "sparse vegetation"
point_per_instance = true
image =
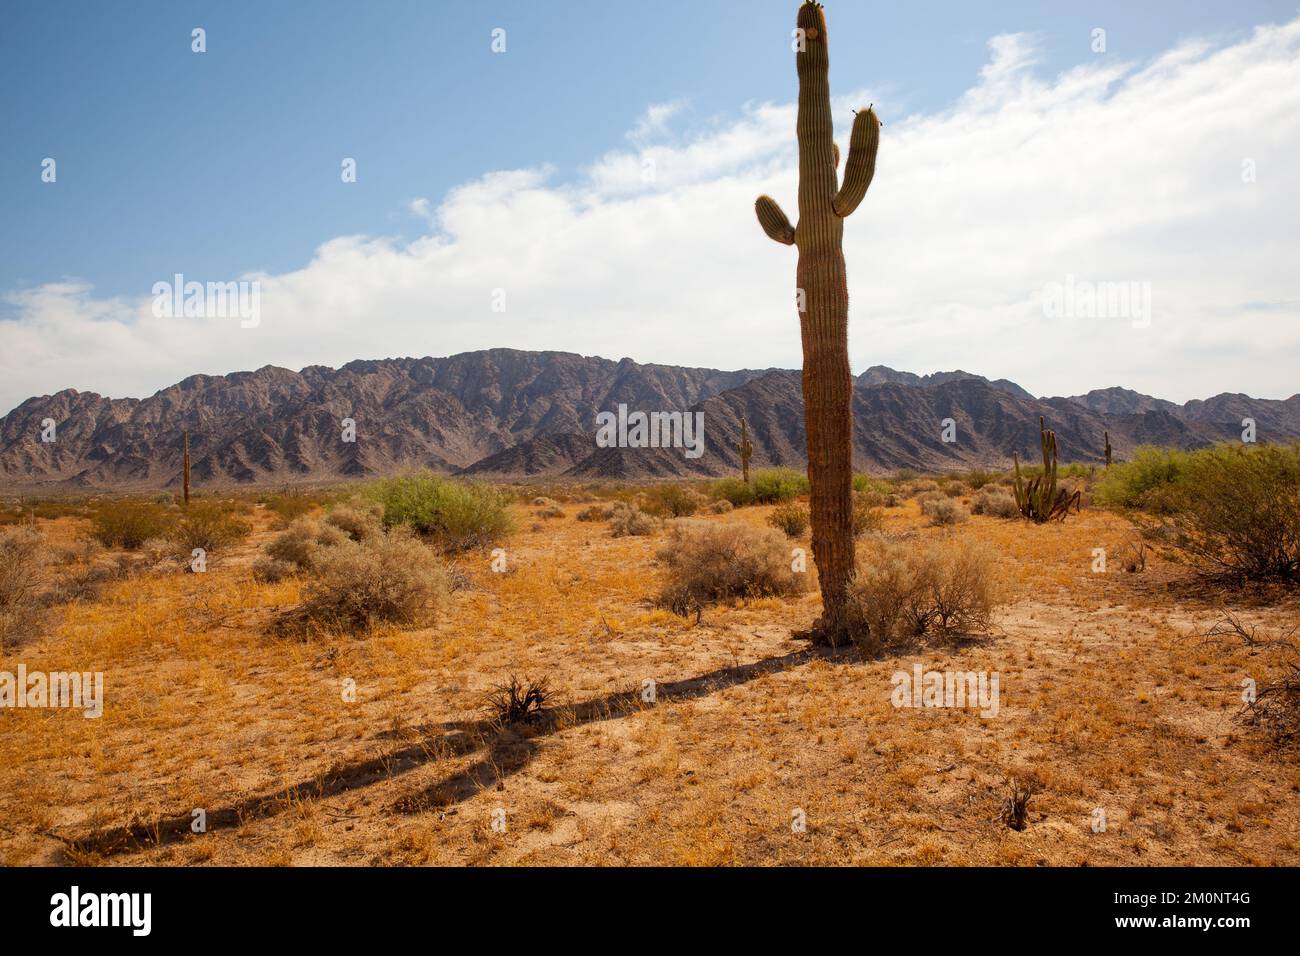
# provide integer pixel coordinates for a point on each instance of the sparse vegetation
(127, 523)
(628, 520)
(993, 501)
(904, 594)
(391, 579)
(790, 518)
(944, 511)
(714, 562)
(671, 501)
(23, 560)
(518, 701)
(454, 515)
(210, 525)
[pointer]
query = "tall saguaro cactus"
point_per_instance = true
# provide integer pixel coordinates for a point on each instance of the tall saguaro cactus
(185, 481)
(823, 301)
(746, 449)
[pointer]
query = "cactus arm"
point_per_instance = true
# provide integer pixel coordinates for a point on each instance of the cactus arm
(774, 222)
(861, 167)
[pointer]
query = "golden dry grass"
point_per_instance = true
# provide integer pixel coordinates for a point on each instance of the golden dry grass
(1108, 695)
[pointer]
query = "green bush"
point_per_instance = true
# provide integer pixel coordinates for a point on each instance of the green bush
(865, 484)
(1149, 482)
(671, 501)
(772, 485)
(127, 523)
(209, 525)
(1236, 510)
(723, 561)
(733, 490)
(455, 515)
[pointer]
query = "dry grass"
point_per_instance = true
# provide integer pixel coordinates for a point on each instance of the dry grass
(1109, 694)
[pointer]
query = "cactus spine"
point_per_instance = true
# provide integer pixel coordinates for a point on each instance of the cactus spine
(746, 449)
(1040, 500)
(185, 481)
(1107, 449)
(823, 297)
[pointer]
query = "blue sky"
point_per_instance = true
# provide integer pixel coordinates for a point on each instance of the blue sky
(227, 163)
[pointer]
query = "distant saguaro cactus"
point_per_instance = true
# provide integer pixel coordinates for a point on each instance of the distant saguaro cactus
(823, 301)
(746, 449)
(1107, 449)
(185, 481)
(1040, 500)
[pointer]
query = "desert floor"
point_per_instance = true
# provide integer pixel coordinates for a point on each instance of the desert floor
(1110, 695)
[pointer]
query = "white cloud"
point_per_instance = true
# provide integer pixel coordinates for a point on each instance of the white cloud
(1110, 171)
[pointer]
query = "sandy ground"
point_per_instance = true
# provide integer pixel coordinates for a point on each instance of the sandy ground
(1109, 696)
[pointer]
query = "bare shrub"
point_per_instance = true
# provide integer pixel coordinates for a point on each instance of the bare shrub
(1274, 707)
(550, 511)
(944, 511)
(790, 518)
(303, 543)
(904, 595)
(359, 519)
(955, 489)
(721, 507)
(867, 516)
(596, 512)
(1014, 811)
(518, 702)
(629, 520)
(992, 501)
(270, 570)
(723, 561)
(391, 579)
(23, 566)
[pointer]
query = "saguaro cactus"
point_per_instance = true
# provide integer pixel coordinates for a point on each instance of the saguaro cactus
(746, 449)
(1107, 434)
(185, 481)
(822, 296)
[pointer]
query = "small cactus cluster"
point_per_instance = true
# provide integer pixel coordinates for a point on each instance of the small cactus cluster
(746, 449)
(1040, 500)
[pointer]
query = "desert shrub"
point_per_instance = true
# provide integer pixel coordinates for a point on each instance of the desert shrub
(977, 478)
(865, 484)
(392, 579)
(1275, 708)
(1148, 482)
(1014, 810)
(923, 488)
(518, 701)
(455, 515)
(991, 500)
(721, 507)
(542, 501)
(127, 523)
(772, 485)
(903, 475)
(358, 518)
(209, 525)
(955, 489)
(944, 511)
(671, 501)
(302, 543)
(866, 514)
(892, 500)
(288, 506)
(549, 512)
(595, 512)
(790, 518)
(1236, 511)
(723, 561)
(902, 595)
(734, 491)
(270, 570)
(23, 564)
(628, 520)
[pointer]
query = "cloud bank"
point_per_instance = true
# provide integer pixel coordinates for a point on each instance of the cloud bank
(1178, 173)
